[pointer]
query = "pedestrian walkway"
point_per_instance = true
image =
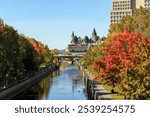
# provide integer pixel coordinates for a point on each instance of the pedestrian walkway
(99, 92)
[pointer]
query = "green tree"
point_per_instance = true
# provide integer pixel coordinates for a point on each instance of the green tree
(138, 22)
(11, 66)
(45, 55)
(48, 58)
(94, 53)
(28, 54)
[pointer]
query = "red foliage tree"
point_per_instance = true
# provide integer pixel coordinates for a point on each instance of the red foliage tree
(118, 65)
(36, 47)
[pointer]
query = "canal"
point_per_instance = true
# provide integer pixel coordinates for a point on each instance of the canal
(63, 84)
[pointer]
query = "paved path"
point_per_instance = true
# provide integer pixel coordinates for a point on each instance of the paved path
(100, 92)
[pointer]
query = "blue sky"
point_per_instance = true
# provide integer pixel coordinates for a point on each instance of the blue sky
(52, 21)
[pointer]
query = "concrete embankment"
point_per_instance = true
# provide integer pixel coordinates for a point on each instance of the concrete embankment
(94, 89)
(16, 89)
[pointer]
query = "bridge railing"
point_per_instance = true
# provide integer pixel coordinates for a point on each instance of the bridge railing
(68, 56)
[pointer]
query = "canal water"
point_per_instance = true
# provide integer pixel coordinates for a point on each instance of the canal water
(64, 84)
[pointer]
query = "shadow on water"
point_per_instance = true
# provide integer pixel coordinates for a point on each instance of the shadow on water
(65, 84)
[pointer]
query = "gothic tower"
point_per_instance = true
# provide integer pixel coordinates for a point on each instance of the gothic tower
(72, 35)
(94, 37)
(74, 39)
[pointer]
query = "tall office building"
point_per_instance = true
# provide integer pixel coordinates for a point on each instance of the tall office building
(144, 3)
(147, 4)
(123, 8)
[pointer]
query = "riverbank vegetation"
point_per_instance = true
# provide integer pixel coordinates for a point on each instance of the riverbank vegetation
(123, 60)
(21, 55)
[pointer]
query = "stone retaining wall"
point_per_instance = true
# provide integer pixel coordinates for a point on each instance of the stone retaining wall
(94, 89)
(13, 91)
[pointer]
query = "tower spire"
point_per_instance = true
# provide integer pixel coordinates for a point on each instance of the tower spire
(94, 32)
(72, 34)
(94, 36)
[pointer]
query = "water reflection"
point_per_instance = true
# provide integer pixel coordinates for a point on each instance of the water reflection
(65, 84)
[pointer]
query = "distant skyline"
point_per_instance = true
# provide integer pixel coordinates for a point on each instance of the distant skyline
(52, 21)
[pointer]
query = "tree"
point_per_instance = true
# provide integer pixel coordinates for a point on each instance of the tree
(28, 55)
(48, 57)
(45, 55)
(126, 65)
(54, 51)
(1, 25)
(20, 55)
(11, 66)
(138, 22)
(94, 53)
(136, 82)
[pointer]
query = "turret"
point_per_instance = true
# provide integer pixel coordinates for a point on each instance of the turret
(72, 35)
(74, 39)
(94, 32)
(94, 37)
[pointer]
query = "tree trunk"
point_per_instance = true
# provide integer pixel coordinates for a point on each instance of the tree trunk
(112, 90)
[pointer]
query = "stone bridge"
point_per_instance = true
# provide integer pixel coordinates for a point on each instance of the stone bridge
(60, 57)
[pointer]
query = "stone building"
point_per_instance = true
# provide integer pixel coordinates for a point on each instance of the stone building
(78, 44)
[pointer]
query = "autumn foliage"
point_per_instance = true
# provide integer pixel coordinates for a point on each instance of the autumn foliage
(126, 65)
(21, 55)
(36, 47)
